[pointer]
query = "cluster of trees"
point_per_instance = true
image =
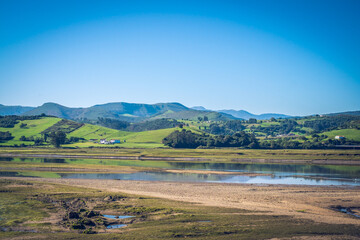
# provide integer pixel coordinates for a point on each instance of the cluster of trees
(56, 139)
(284, 127)
(188, 139)
(153, 125)
(5, 136)
(137, 127)
(225, 128)
(287, 143)
(113, 123)
(329, 123)
(37, 140)
(205, 118)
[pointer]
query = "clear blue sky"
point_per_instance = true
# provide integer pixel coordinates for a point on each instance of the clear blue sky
(285, 56)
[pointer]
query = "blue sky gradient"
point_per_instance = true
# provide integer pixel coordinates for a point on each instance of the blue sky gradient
(293, 57)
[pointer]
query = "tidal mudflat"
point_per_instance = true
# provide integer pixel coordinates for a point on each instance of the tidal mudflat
(77, 209)
(85, 198)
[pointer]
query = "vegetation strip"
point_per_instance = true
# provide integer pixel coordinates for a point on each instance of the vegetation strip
(315, 161)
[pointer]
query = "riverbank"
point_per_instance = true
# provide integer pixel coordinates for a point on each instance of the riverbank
(332, 157)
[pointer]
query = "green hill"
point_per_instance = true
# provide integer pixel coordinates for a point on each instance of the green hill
(33, 128)
(351, 134)
(91, 134)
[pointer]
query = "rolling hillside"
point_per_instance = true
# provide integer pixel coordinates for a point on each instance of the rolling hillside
(313, 132)
(90, 134)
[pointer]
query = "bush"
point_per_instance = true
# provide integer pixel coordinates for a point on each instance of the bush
(5, 136)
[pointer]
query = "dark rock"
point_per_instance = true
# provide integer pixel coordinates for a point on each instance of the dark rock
(88, 222)
(91, 214)
(73, 215)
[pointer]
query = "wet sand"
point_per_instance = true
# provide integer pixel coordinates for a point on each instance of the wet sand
(306, 202)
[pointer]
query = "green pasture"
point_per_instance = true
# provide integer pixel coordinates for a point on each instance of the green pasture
(33, 128)
(351, 134)
(89, 131)
(267, 124)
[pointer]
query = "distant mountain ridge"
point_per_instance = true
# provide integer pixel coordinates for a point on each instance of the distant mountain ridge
(119, 110)
(352, 113)
(13, 110)
(136, 112)
(245, 114)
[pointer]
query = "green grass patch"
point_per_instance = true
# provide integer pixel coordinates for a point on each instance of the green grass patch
(33, 128)
(351, 134)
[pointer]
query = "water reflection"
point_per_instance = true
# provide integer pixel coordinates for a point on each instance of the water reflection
(193, 177)
(280, 173)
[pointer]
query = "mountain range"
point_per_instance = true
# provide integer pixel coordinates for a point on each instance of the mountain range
(13, 110)
(244, 114)
(132, 112)
(136, 112)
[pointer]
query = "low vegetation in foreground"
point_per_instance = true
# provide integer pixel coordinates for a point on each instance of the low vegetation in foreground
(34, 209)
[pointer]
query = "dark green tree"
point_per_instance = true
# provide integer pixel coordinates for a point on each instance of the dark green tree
(252, 120)
(57, 138)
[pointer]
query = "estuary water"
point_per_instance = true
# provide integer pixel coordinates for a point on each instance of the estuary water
(294, 174)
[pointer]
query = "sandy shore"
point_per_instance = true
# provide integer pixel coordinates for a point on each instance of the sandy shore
(306, 202)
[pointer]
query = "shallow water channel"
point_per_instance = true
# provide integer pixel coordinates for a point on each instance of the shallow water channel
(276, 173)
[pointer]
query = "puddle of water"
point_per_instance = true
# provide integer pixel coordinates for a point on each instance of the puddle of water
(116, 226)
(204, 221)
(349, 211)
(117, 216)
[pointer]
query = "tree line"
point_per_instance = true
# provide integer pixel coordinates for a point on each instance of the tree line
(188, 139)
